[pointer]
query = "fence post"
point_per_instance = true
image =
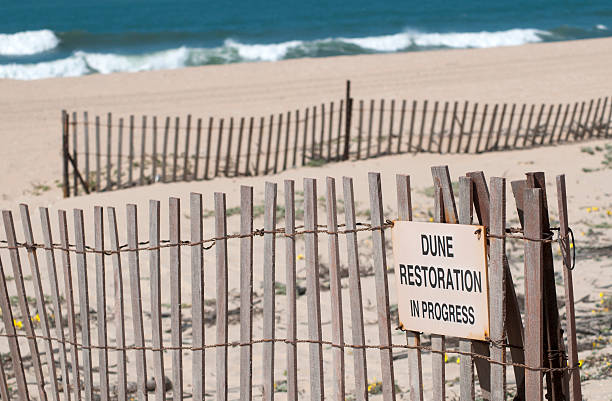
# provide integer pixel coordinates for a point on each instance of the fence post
(348, 117)
(66, 185)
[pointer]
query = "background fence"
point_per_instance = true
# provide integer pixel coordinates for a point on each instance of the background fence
(109, 153)
(113, 343)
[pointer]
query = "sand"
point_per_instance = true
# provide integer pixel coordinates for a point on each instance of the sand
(550, 73)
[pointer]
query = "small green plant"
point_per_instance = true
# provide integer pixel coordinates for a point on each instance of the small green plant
(587, 149)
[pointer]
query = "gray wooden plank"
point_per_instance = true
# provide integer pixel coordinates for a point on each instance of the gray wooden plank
(286, 150)
(221, 293)
(382, 287)
(296, 138)
(270, 130)
(322, 136)
(131, 153)
(81, 260)
(239, 146)
(329, 131)
(335, 289)
(86, 145)
(154, 161)
(278, 141)
(136, 301)
(176, 147)
(208, 147)
(433, 127)
(438, 344)
(228, 154)
(339, 137)
(422, 128)
(305, 137)
(196, 155)
(401, 126)
(412, 118)
(359, 130)
(165, 150)
(462, 126)
(40, 299)
(118, 305)
(69, 296)
(98, 156)
(4, 389)
(466, 368)
(246, 293)
(290, 274)
(186, 153)
(101, 302)
(482, 127)
(317, 389)
(269, 275)
(575, 393)
(413, 339)
(567, 106)
(452, 128)
(247, 164)
(75, 153)
(390, 139)
(533, 293)
(197, 295)
(155, 282)
(119, 153)
(109, 131)
(143, 151)
(174, 224)
(509, 128)
(443, 127)
(497, 283)
(259, 142)
(56, 298)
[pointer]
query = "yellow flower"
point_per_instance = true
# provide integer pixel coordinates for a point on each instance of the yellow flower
(588, 210)
(582, 233)
(18, 323)
(580, 362)
(300, 256)
(601, 295)
(431, 219)
(595, 208)
(609, 212)
(458, 360)
(571, 245)
(445, 358)
(36, 318)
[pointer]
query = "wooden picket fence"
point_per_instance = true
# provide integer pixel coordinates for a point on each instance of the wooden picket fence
(110, 153)
(117, 344)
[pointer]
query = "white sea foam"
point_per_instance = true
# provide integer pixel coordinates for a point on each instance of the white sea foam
(271, 52)
(27, 43)
(601, 27)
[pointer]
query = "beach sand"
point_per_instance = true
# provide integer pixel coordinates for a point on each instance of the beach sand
(550, 73)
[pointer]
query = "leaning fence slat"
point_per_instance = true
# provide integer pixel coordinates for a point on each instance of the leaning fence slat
(9, 327)
(286, 150)
(81, 259)
(75, 153)
(55, 295)
(370, 122)
(594, 122)
(359, 128)
(269, 289)
(165, 149)
(219, 142)
(305, 138)
(247, 164)
(497, 287)
(545, 131)
(228, 153)
(278, 141)
(101, 302)
(40, 298)
(554, 127)
(221, 293)
(422, 128)
(472, 124)
(98, 156)
(69, 295)
(452, 128)
(442, 127)
(536, 130)
(609, 121)
(136, 295)
(314, 133)
(584, 125)
(208, 147)
(269, 147)
(109, 181)
(176, 143)
(196, 156)
(197, 294)
(339, 137)
(246, 294)
(528, 127)
(154, 161)
(86, 144)
(533, 293)
(401, 127)
(433, 126)
(143, 151)
(239, 147)
(390, 139)
(413, 339)
(567, 106)
(357, 329)
(466, 368)
(382, 287)
(317, 390)
(491, 128)
(118, 307)
(462, 126)
(412, 118)
(576, 131)
(174, 225)
(335, 289)
(509, 128)
(575, 393)
(186, 153)
(500, 127)
(131, 153)
(329, 131)
(119, 153)
(290, 274)
(519, 126)
(156, 317)
(296, 137)
(482, 127)
(322, 137)
(381, 116)
(600, 125)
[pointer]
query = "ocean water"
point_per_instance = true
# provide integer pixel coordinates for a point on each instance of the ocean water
(63, 38)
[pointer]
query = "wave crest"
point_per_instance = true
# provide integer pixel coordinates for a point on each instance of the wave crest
(27, 43)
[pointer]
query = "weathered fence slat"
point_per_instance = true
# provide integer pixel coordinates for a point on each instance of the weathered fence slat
(4, 389)
(601, 125)
(314, 134)
(339, 137)
(390, 141)
(136, 301)
(286, 150)
(491, 128)
(533, 293)
(246, 293)
(290, 274)
(500, 127)
(545, 131)
(269, 277)
(584, 125)
(40, 299)
(452, 128)
(438, 346)
(109, 181)
(154, 161)
(270, 130)
(155, 282)
(575, 392)
(118, 308)
(305, 138)
(519, 126)
(81, 259)
(176, 148)
(412, 118)
(413, 339)
(186, 154)
(196, 156)
(442, 127)
(567, 106)
(317, 390)
(75, 154)
(359, 128)
(357, 329)
(143, 150)
(165, 149)
(370, 122)
(130, 153)
(537, 127)
(197, 295)
(554, 127)
(381, 117)
(482, 127)
(382, 287)
(433, 126)
(228, 153)
(422, 128)
(176, 333)
(247, 164)
(401, 127)
(462, 126)
(466, 365)
(509, 128)
(296, 138)
(221, 293)
(335, 289)
(119, 153)
(55, 295)
(101, 302)
(472, 124)
(322, 136)
(239, 147)
(329, 131)
(69, 295)
(278, 141)
(208, 148)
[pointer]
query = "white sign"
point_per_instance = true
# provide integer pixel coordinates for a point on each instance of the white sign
(441, 278)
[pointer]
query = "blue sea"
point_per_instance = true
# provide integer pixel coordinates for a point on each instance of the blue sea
(60, 38)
